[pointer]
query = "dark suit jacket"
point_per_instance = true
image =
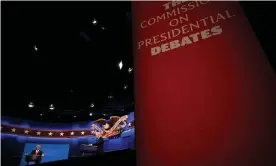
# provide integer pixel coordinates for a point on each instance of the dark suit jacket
(39, 153)
(38, 158)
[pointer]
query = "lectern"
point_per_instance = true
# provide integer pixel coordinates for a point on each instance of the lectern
(88, 149)
(34, 158)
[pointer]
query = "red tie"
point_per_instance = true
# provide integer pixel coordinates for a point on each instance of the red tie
(36, 152)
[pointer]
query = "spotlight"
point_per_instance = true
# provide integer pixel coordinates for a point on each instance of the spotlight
(110, 97)
(35, 48)
(92, 105)
(120, 64)
(41, 114)
(90, 114)
(75, 116)
(125, 86)
(130, 70)
(31, 105)
(51, 107)
(94, 21)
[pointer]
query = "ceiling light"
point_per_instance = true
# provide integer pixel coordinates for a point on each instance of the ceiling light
(92, 105)
(41, 114)
(125, 86)
(35, 48)
(103, 28)
(130, 70)
(120, 65)
(51, 107)
(75, 116)
(31, 105)
(90, 114)
(94, 21)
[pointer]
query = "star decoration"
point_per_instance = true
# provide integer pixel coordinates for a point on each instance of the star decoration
(41, 133)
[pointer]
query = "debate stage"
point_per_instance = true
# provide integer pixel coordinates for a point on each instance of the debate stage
(122, 158)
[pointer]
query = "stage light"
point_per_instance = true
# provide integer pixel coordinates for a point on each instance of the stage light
(51, 107)
(110, 97)
(103, 28)
(94, 21)
(92, 105)
(41, 114)
(90, 114)
(31, 105)
(75, 116)
(130, 70)
(120, 65)
(125, 86)
(35, 48)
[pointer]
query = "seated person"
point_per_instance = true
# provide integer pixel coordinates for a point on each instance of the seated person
(36, 156)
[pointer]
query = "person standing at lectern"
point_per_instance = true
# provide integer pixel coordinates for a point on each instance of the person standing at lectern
(36, 155)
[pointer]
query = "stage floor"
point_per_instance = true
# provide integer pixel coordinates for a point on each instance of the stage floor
(122, 158)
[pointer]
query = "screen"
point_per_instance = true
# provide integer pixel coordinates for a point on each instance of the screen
(52, 152)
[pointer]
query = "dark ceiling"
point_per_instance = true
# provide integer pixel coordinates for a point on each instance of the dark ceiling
(76, 62)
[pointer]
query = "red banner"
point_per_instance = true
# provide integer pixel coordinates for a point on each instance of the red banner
(202, 78)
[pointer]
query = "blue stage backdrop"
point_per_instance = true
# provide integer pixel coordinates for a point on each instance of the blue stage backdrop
(52, 152)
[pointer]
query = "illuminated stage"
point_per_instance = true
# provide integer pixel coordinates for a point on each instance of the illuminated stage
(122, 158)
(63, 143)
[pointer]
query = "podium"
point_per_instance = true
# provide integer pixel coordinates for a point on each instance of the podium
(88, 149)
(32, 158)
